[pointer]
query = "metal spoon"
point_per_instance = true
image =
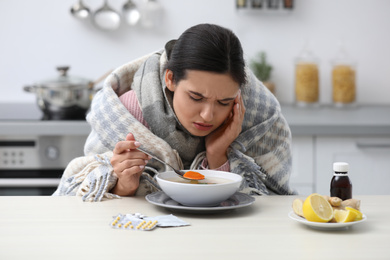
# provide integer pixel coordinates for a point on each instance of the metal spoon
(178, 172)
(79, 10)
(107, 18)
(131, 13)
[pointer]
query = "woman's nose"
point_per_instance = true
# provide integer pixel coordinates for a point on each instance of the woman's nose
(207, 113)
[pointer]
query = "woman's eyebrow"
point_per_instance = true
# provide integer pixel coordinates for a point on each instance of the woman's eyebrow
(200, 95)
(197, 93)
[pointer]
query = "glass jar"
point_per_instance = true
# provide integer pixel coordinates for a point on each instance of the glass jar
(343, 79)
(306, 79)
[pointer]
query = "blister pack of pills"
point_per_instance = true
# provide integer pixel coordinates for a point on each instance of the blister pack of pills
(141, 222)
(133, 222)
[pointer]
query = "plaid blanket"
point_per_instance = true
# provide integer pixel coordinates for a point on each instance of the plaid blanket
(261, 154)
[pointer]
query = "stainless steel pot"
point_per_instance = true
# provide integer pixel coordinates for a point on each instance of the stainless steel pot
(64, 97)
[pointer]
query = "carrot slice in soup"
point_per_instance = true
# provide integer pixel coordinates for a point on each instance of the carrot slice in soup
(194, 175)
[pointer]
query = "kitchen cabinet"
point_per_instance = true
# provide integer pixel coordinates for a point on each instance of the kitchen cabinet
(323, 135)
(302, 174)
(368, 157)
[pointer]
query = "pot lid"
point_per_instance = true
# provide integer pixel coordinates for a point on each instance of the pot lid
(64, 80)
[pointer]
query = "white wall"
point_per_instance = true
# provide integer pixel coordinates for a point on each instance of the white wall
(38, 35)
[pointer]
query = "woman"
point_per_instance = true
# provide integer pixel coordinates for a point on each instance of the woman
(195, 105)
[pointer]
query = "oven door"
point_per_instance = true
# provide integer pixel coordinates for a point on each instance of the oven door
(29, 182)
(33, 165)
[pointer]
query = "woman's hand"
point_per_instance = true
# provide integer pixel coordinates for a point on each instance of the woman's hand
(128, 164)
(219, 141)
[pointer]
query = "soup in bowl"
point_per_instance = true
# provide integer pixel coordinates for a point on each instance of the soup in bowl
(216, 187)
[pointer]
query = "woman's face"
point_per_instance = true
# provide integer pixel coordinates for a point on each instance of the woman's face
(202, 101)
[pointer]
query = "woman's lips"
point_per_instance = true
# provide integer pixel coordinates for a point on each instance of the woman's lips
(203, 127)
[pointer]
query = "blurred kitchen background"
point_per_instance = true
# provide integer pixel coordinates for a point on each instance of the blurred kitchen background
(39, 35)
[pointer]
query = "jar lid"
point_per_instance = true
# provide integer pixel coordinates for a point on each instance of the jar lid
(340, 167)
(306, 55)
(342, 57)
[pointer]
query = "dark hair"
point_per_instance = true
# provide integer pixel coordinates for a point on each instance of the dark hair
(206, 47)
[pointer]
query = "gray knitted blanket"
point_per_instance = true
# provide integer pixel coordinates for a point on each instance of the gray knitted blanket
(261, 154)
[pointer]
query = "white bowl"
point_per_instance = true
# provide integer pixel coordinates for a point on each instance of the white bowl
(200, 195)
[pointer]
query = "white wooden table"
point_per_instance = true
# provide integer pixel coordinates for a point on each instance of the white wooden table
(67, 228)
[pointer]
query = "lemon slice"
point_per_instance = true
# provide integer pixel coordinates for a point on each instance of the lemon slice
(297, 207)
(317, 209)
(359, 215)
(343, 216)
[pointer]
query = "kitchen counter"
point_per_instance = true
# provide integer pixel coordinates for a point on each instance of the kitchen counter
(47, 128)
(329, 120)
(26, 119)
(67, 228)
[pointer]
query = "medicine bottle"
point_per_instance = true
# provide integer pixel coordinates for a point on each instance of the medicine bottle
(341, 185)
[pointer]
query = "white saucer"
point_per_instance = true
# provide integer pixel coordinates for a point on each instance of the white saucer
(324, 226)
(238, 200)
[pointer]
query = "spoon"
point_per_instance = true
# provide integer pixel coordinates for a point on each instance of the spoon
(79, 10)
(131, 13)
(107, 18)
(178, 172)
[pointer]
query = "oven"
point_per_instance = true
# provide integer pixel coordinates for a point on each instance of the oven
(34, 152)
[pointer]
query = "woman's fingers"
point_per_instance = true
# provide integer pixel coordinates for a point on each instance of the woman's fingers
(127, 157)
(130, 145)
(130, 137)
(238, 115)
(240, 107)
(130, 163)
(124, 146)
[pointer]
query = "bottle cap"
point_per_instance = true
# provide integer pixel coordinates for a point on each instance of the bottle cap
(340, 167)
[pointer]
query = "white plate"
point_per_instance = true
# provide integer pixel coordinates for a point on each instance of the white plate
(324, 226)
(238, 200)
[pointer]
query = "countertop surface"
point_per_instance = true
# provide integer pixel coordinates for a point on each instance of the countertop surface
(44, 128)
(26, 119)
(67, 228)
(330, 120)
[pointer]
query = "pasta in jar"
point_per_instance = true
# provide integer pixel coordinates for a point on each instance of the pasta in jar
(343, 81)
(306, 83)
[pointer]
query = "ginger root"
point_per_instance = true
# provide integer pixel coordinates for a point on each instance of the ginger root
(353, 203)
(334, 201)
(337, 203)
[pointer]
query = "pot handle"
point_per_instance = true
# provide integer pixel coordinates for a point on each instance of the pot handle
(30, 89)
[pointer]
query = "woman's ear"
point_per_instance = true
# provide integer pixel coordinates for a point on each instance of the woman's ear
(169, 80)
